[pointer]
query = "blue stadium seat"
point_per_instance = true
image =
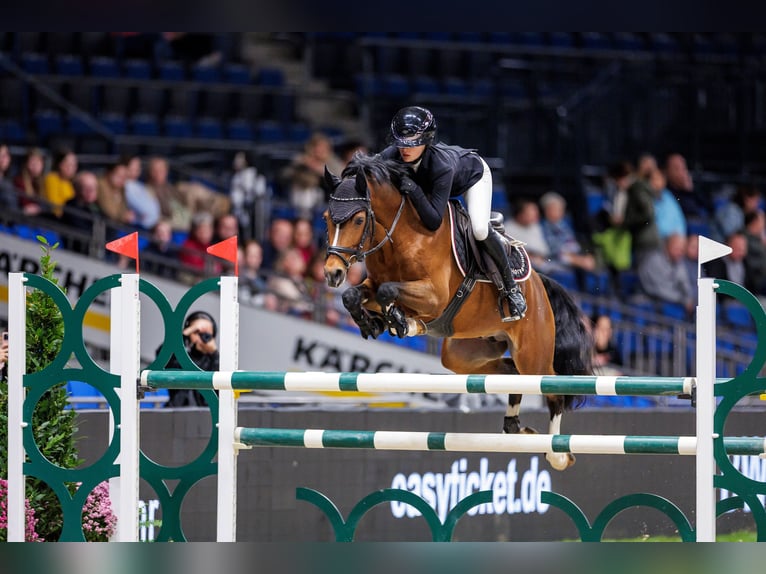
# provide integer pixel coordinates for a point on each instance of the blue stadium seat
(209, 128)
(206, 73)
(425, 85)
(137, 69)
(34, 63)
(144, 125)
(48, 122)
(395, 86)
(454, 86)
(177, 127)
(91, 398)
(13, 131)
(368, 85)
(298, 132)
(628, 283)
(104, 67)
(269, 131)
(240, 129)
(737, 315)
(69, 65)
(568, 279)
(116, 123)
(236, 74)
(270, 77)
(76, 126)
(171, 71)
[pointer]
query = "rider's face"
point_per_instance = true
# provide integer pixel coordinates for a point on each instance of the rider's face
(411, 154)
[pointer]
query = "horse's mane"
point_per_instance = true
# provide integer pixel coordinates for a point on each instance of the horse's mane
(376, 167)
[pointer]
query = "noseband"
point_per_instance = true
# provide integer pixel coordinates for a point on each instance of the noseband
(358, 254)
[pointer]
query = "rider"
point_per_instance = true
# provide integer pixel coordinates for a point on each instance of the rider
(440, 172)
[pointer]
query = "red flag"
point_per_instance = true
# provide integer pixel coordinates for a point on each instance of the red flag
(126, 245)
(226, 249)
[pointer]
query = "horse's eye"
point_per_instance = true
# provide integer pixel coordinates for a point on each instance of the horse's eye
(358, 220)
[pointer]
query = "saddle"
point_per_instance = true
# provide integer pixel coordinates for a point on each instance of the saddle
(468, 254)
(475, 265)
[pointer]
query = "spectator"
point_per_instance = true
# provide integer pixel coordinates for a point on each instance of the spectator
(565, 249)
(303, 239)
(199, 333)
(289, 285)
(172, 204)
(161, 255)
(57, 185)
(607, 358)
(646, 165)
(226, 226)
(29, 182)
(111, 195)
(734, 267)
(252, 280)
(697, 208)
(248, 192)
(306, 170)
(525, 226)
(82, 212)
(730, 216)
(8, 199)
(280, 239)
(194, 248)
(663, 276)
(611, 239)
(668, 216)
(755, 233)
(139, 197)
(640, 221)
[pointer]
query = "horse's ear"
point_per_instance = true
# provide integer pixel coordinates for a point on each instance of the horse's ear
(332, 180)
(361, 183)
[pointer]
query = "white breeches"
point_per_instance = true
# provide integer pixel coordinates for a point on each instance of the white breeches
(478, 200)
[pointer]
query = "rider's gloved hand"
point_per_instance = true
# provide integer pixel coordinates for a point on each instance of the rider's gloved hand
(407, 186)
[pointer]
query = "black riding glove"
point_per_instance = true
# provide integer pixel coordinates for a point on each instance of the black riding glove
(408, 186)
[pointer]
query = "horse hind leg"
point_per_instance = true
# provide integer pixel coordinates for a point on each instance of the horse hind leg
(558, 460)
(511, 421)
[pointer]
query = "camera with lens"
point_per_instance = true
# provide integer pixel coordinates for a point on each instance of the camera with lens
(205, 337)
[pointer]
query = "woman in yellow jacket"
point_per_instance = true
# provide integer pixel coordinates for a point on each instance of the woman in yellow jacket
(57, 186)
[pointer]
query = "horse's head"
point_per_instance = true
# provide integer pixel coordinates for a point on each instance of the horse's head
(365, 192)
(349, 221)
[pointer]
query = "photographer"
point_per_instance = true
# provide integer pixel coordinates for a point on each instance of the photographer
(199, 332)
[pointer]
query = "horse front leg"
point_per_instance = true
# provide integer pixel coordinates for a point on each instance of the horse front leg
(370, 324)
(416, 296)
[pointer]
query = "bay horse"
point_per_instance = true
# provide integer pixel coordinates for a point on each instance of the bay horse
(412, 279)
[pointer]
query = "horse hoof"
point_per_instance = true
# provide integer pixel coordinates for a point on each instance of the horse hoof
(527, 430)
(560, 460)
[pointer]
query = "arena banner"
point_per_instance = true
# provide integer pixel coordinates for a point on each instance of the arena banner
(268, 510)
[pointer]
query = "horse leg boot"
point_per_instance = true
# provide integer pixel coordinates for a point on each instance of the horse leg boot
(510, 293)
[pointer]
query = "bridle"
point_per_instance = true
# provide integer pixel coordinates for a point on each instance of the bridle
(358, 254)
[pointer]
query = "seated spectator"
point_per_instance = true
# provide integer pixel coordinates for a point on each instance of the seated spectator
(303, 239)
(57, 185)
(139, 197)
(279, 240)
(565, 249)
(173, 207)
(161, 256)
(735, 266)
(225, 227)
(111, 197)
(82, 212)
(663, 276)
(646, 165)
(253, 284)
(607, 358)
(668, 216)
(29, 183)
(730, 216)
(306, 170)
(525, 226)
(8, 197)
(194, 248)
(288, 283)
(696, 205)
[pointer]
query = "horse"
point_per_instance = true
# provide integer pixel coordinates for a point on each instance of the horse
(415, 286)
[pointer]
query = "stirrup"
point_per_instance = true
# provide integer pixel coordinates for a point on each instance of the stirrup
(513, 313)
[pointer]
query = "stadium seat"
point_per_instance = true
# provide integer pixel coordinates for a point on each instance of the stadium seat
(239, 129)
(171, 71)
(424, 86)
(48, 122)
(104, 67)
(206, 73)
(269, 132)
(150, 100)
(236, 74)
(116, 123)
(144, 125)
(69, 65)
(75, 125)
(209, 128)
(177, 127)
(90, 397)
(34, 63)
(270, 77)
(395, 86)
(137, 69)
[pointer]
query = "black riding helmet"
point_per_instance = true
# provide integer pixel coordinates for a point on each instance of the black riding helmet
(413, 126)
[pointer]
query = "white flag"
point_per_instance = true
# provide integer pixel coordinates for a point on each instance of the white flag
(709, 249)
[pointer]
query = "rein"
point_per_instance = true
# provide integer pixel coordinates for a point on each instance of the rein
(369, 232)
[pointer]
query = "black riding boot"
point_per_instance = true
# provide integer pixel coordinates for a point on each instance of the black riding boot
(511, 293)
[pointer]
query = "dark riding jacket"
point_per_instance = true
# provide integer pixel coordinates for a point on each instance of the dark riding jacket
(444, 172)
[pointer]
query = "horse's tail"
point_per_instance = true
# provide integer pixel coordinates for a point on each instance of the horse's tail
(574, 342)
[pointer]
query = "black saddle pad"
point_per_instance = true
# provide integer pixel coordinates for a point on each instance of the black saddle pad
(465, 248)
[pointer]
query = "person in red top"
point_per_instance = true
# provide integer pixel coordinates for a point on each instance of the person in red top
(194, 248)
